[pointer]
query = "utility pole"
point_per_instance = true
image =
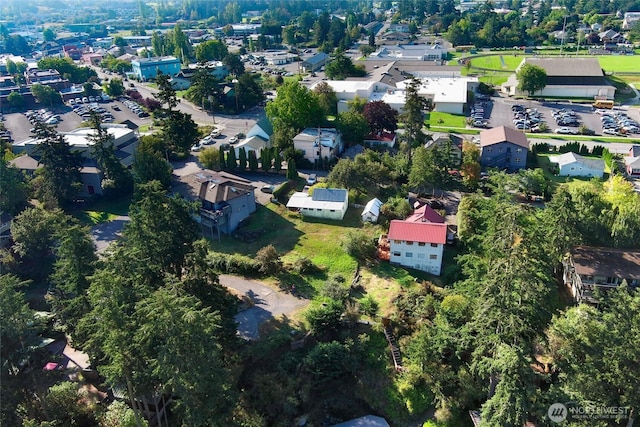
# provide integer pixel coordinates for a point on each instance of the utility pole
(564, 29)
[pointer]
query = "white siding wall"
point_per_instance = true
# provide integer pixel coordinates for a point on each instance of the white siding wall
(411, 254)
(578, 169)
(336, 214)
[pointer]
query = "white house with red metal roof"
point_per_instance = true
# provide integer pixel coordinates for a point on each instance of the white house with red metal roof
(417, 243)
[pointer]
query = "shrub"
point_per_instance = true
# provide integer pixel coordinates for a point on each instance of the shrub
(326, 361)
(282, 190)
(303, 265)
(369, 306)
(324, 318)
(359, 245)
(235, 263)
(335, 290)
(268, 260)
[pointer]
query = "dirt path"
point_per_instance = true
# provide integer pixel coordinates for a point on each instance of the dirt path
(269, 303)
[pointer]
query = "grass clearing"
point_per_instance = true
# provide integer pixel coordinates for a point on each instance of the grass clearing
(447, 120)
(103, 210)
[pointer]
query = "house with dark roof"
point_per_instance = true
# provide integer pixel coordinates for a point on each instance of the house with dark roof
(591, 270)
(566, 78)
(326, 203)
(225, 199)
(503, 147)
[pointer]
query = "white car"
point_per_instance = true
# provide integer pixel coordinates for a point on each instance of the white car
(206, 140)
(215, 133)
(233, 140)
(565, 130)
(196, 147)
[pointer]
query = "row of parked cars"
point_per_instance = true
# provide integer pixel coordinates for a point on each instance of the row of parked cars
(478, 115)
(5, 134)
(618, 123)
(135, 108)
(85, 111)
(524, 118)
(87, 100)
(42, 116)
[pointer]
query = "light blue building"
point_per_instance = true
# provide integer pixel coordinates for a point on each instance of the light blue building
(148, 68)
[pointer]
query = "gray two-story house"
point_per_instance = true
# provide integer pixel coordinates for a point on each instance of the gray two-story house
(503, 147)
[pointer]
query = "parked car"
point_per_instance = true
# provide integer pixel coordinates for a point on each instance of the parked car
(196, 147)
(565, 131)
(233, 140)
(267, 189)
(312, 179)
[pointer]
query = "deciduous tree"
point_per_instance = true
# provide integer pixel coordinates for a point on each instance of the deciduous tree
(531, 79)
(381, 117)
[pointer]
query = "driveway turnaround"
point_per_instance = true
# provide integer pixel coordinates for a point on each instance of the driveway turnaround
(107, 232)
(268, 303)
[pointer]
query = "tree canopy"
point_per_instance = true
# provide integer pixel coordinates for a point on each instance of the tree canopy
(531, 79)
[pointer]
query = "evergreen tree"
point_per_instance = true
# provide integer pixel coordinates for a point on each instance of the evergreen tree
(292, 172)
(242, 159)
(253, 161)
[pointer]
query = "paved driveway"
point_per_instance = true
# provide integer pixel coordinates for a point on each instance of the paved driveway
(105, 233)
(269, 303)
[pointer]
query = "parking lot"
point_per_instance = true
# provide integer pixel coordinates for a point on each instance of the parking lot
(499, 112)
(20, 126)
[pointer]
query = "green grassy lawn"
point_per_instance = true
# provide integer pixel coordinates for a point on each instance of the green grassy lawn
(446, 120)
(103, 210)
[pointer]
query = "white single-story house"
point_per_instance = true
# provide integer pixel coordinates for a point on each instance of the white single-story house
(566, 78)
(632, 166)
(372, 210)
(318, 143)
(572, 164)
(327, 203)
(417, 244)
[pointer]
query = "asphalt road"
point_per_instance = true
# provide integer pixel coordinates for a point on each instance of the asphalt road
(268, 303)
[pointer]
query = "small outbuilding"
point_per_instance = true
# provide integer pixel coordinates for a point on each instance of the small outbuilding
(372, 210)
(327, 203)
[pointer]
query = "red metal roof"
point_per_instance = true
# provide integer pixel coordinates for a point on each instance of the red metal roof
(426, 232)
(425, 213)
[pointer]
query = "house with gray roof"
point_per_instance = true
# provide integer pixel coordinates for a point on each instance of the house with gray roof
(572, 164)
(591, 270)
(314, 63)
(326, 203)
(566, 78)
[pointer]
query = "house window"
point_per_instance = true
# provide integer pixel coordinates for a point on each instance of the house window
(433, 256)
(409, 254)
(409, 243)
(397, 242)
(421, 255)
(434, 245)
(499, 149)
(421, 243)
(517, 160)
(572, 168)
(518, 150)
(396, 254)
(333, 210)
(488, 158)
(489, 149)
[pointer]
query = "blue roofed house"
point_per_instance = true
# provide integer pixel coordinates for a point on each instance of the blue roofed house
(503, 147)
(149, 68)
(326, 203)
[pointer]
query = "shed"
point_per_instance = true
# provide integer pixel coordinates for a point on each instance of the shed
(371, 210)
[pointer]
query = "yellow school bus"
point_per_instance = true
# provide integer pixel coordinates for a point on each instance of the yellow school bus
(603, 103)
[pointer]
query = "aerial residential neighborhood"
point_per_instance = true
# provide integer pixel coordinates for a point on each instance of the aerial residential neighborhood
(319, 213)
